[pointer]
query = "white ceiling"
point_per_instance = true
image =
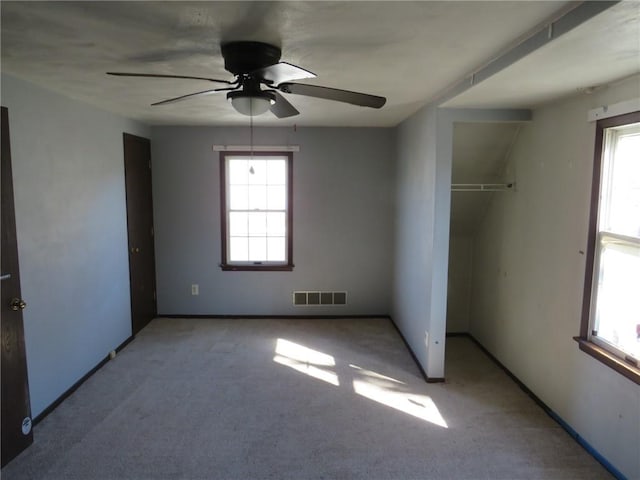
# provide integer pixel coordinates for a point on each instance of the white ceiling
(405, 51)
(603, 50)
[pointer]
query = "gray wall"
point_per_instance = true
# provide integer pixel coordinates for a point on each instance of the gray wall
(71, 226)
(529, 273)
(459, 283)
(343, 222)
(414, 232)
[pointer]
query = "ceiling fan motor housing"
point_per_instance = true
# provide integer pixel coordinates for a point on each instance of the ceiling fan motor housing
(245, 57)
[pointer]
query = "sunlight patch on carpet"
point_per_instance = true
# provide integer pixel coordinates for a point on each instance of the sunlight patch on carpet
(392, 393)
(305, 360)
(372, 385)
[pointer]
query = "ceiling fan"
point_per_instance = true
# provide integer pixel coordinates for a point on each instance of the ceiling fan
(255, 64)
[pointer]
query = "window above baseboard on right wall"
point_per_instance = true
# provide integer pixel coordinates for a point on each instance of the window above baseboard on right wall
(610, 327)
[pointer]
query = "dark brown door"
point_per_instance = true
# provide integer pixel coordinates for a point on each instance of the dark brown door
(16, 410)
(142, 270)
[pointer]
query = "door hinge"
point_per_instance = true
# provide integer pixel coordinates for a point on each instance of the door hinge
(154, 295)
(149, 164)
(152, 232)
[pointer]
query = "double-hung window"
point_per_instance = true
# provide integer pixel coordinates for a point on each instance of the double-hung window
(256, 210)
(611, 311)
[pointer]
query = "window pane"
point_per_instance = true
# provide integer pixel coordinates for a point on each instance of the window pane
(276, 198)
(257, 249)
(238, 197)
(257, 224)
(257, 172)
(238, 171)
(238, 249)
(276, 249)
(618, 303)
(257, 198)
(238, 224)
(276, 224)
(277, 172)
(622, 190)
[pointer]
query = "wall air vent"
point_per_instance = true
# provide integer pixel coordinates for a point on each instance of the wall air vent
(299, 298)
(316, 298)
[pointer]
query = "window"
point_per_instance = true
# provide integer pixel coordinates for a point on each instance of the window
(611, 310)
(256, 210)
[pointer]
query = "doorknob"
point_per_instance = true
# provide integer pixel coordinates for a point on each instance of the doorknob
(17, 304)
(135, 250)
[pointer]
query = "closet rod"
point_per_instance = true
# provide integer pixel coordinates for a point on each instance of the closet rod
(481, 187)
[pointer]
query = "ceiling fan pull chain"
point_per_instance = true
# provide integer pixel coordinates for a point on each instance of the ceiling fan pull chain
(251, 132)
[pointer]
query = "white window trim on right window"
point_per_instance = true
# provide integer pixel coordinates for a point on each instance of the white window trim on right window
(611, 306)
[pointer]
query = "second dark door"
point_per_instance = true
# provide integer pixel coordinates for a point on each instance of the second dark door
(15, 419)
(137, 168)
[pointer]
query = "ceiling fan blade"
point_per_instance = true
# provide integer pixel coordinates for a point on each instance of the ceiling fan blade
(346, 96)
(282, 108)
(196, 94)
(283, 72)
(157, 75)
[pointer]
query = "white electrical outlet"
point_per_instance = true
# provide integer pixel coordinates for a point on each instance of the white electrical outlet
(195, 289)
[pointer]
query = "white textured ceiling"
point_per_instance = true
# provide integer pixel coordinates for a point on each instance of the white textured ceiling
(405, 51)
(603, 50)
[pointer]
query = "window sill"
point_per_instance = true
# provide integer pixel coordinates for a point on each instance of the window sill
(256, 268)
(609, 359)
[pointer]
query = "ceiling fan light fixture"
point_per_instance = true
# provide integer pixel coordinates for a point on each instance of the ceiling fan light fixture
(251, 103)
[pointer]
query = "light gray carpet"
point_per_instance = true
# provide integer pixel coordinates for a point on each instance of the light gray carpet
(296, 399)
